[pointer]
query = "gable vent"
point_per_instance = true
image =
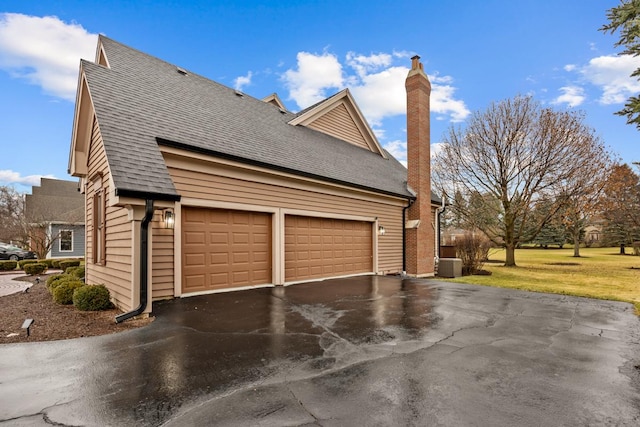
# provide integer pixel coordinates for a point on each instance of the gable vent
(181, 71)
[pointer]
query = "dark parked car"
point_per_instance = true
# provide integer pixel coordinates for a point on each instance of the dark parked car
(14, 253)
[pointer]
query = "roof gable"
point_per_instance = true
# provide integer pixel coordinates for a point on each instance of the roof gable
(275, 100)
(340, 117)
(81, 131)
(101, 56)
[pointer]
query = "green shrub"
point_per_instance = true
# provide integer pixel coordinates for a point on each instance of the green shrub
(76, 271)
(35, 268)
(24, 262)
(8, 265)
(92, 298)
(47, 261)
(56, 279)
(63, 292)
(79, 272)
(64, 264)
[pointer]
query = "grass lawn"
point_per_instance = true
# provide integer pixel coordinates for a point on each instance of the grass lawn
(599, 273)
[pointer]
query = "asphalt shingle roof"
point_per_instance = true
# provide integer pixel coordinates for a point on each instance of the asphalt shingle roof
(141, 99)
(55, 200)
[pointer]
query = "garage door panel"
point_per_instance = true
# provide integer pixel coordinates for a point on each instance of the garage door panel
(316, 270)
(225, 249)
(217, 280)
(219, 259)
(324, 247)
(240, 257)
(261, 257)
(218, 237)
(240, 218)
(261, 238)
(194, 237)
(195, 259)
(194, 216)
(197, 280)
(240, 238)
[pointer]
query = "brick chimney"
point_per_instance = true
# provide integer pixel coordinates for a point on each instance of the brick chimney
(420, 239)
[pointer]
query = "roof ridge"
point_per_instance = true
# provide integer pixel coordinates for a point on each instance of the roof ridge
(311, 107)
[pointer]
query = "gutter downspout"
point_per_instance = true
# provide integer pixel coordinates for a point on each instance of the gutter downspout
(439, 212)
(144, 263)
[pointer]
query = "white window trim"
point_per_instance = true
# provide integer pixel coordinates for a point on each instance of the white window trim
(60, 241)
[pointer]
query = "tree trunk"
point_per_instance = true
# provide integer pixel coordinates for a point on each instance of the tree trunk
(576, 244)
(510, 260)
(622, 252)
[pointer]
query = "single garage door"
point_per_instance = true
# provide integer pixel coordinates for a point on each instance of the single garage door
(224, 249)
(324, 247)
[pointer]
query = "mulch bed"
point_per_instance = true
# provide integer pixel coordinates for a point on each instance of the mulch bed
(54, 321)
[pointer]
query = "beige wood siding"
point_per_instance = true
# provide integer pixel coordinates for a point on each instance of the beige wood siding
(116, 273)
(214, 182)
(325, 247)
(339, 123)
(162, 259)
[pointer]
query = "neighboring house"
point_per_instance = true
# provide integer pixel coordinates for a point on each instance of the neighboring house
(192, 187)
(593, 232)
(55, 213)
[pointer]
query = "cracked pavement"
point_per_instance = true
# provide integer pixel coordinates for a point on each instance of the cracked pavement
(367, 350)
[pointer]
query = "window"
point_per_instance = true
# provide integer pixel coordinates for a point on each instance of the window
(99, 219)
(66, 240)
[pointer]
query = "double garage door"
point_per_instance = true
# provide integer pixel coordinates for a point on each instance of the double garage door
(224, 249)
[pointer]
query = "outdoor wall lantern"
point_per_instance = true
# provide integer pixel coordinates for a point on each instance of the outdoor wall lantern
(381, 230)
(168, 219)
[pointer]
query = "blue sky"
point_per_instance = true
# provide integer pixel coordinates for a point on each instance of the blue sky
(474, 53)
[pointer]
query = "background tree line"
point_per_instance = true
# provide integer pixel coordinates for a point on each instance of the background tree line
(521, 173)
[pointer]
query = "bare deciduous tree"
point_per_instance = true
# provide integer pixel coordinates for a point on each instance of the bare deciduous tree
(581, 207)
(516, 153)
(11, 215)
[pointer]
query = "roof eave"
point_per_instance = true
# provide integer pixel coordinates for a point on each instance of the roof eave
(146, 195)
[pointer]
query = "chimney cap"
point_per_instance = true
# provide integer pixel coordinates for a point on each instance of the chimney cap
(415, 63)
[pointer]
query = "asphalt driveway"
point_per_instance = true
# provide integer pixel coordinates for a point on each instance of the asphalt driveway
(359, 351)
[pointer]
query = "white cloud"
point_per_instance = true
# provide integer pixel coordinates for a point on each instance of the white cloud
(436, 148)
(364, 65)
(569, 67)
(381, 94)
(443, 102)
(612, 74)
(571, 95)
(398, 149)
(44, 51)
(240, 82)
(376, 83)
(8, 176)
(314, 76)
